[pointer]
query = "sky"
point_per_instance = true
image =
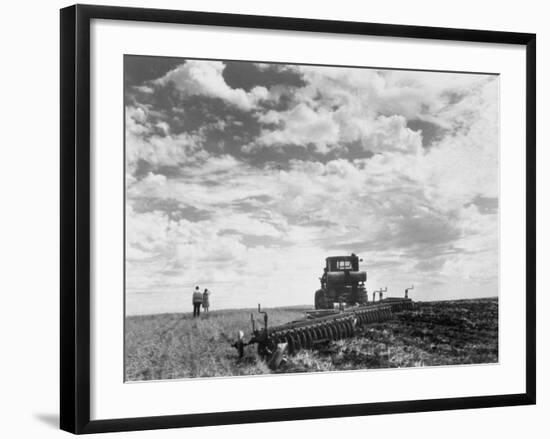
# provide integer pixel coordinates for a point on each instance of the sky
(243, 177)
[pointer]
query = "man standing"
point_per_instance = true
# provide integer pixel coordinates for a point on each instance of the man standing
(197, 302)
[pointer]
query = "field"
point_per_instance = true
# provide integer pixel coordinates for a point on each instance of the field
(169, 346)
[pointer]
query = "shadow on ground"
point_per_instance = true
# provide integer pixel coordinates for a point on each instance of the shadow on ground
(50, 419)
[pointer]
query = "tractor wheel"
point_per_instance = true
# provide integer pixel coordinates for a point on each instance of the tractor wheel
(321, 301)
(362, 299)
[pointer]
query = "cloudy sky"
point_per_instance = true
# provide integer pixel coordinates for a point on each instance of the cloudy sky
(242, 177)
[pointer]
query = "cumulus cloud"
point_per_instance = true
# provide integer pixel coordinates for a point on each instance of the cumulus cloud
(205, 78)
(338, 106)
(144, 144)
(301, 126)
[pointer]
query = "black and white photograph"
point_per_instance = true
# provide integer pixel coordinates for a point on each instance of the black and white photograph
(265, 219)
(286, 218)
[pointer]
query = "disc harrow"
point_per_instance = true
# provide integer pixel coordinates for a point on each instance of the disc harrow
(273, 342)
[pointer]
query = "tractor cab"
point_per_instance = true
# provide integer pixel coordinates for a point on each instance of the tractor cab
(342, 263)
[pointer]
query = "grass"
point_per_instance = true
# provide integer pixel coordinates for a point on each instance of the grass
(170, 346)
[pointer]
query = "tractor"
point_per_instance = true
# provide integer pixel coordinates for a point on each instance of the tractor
(342, 282)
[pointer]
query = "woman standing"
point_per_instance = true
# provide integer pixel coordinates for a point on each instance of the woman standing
(206, 300)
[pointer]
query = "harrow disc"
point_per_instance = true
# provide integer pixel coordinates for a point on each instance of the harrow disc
(347, 332)
(308, 337)
(303, 339)
(291, 345)
(342, 329)
(332, 332)
(314, 335)
(350, 328)
(319, 332)
(339, 330)
(324, 331)
(297, 341)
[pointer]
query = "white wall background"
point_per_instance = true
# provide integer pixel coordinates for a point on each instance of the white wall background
(29, 236)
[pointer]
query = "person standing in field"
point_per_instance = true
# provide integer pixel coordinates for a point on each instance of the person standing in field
(206, 300)
(197, 302)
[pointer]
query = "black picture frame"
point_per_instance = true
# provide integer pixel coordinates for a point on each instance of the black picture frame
(75, 217)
